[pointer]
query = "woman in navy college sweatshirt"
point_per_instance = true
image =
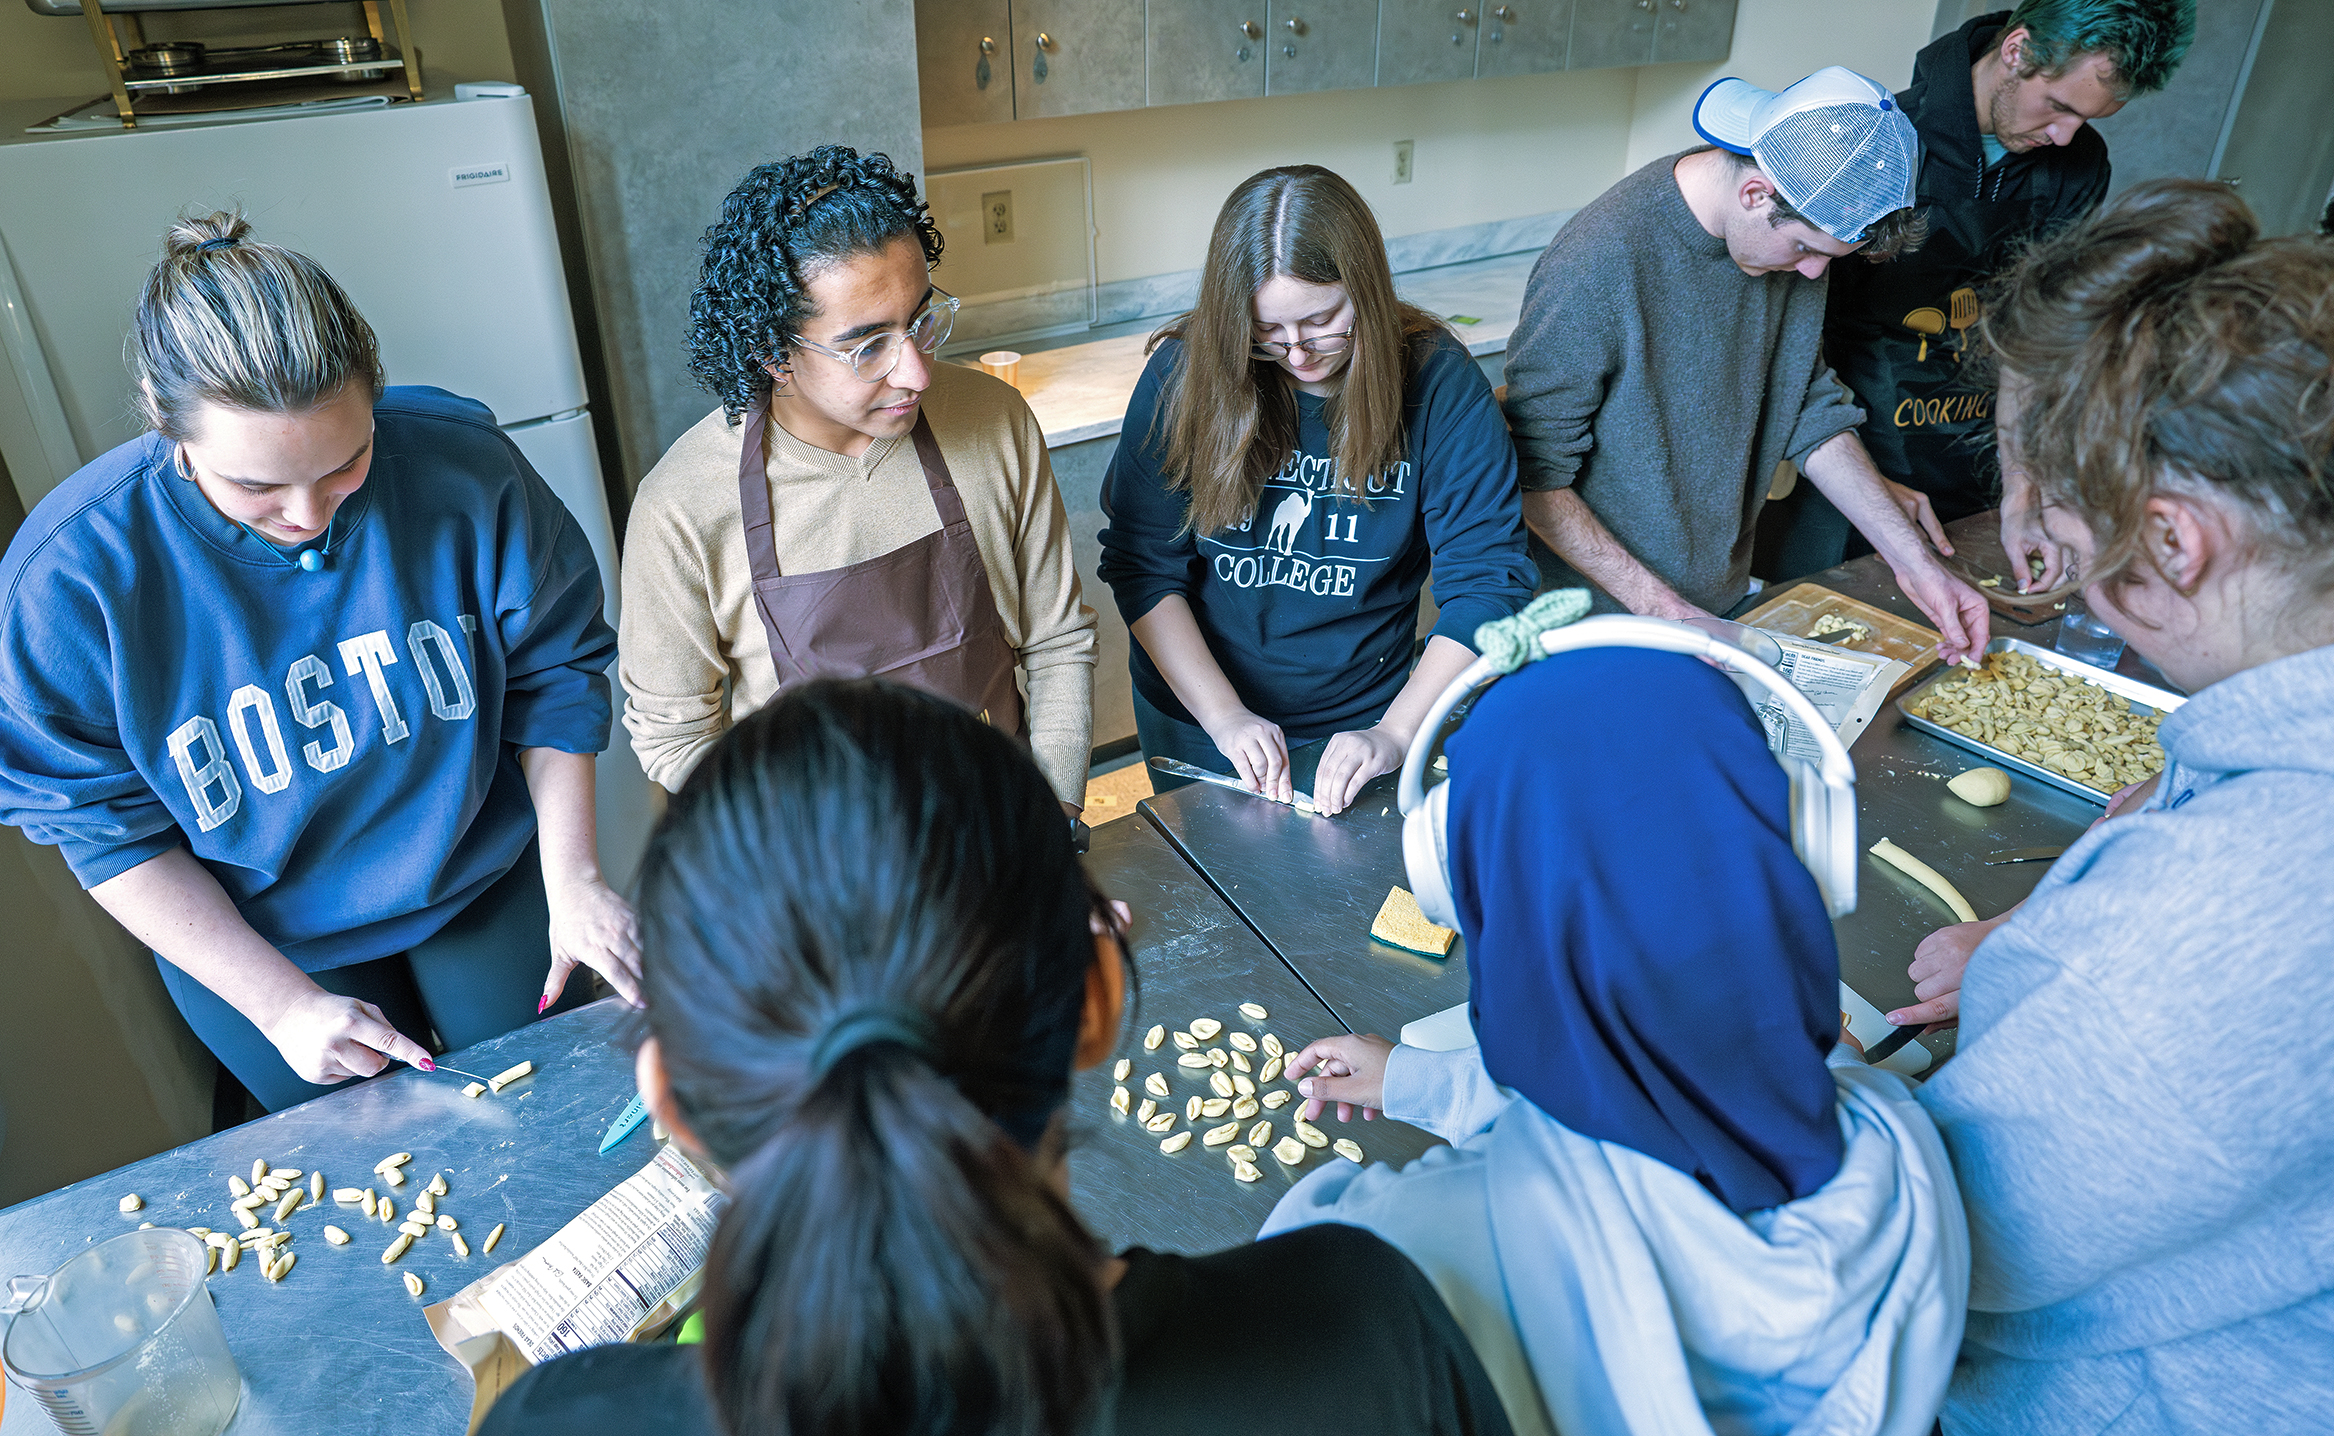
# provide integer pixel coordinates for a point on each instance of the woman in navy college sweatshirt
(295, 681)
(1302, 451)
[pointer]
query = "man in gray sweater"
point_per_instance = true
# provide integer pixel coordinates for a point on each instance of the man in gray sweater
(1667, 358)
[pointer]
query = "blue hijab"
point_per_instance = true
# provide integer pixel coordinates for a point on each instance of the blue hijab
(1652, 964)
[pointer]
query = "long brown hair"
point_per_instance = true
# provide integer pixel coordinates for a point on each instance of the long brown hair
(2163, 346)
(1231, 418)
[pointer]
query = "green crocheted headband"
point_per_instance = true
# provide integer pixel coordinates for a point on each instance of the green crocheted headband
(1510, 643)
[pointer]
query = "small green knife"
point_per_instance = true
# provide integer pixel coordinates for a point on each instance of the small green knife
(634, 1111)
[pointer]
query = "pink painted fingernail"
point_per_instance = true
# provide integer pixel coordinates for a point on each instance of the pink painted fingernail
(545, 1002)
(426, 1065)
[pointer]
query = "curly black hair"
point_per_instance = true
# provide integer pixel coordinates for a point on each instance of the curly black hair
(784, 218)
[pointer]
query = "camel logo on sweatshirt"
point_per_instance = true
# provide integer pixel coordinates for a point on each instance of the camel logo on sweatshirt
(198, 747)
(1298, 553)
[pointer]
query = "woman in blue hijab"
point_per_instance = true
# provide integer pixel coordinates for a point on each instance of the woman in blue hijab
(1673, 1202)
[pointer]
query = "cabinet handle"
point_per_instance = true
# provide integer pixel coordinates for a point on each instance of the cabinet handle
(1296, 24)
(1046, 42)
(1466, 17)
(1646, 5)
(1677, 4)
(1248, 28)
(1502, 12)
(988, 46)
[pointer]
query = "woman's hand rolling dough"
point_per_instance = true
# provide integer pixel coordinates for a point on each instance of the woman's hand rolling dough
(1350, 1071)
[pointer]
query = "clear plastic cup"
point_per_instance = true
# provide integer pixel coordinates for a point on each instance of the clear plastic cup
(123, 1340)
(2082, 636)
(1005, 364)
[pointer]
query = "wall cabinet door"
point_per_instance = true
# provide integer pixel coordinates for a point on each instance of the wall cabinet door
(964, 61)
(1073, 57)
(1424, 40)
(1321, 45)
(1525, 37)
(1205, 50)
(1693, 30)
(1606, 33)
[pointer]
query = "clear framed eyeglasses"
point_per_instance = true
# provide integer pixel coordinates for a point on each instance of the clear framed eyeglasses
(872, 359)
(1318, 345)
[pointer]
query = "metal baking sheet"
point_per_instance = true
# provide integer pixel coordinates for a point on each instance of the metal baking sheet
(2138, 694)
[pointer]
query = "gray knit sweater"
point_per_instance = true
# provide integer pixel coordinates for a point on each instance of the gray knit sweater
(1664, 385)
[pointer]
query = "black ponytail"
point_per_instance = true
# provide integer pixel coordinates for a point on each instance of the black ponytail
(865, 944)
(783, 222)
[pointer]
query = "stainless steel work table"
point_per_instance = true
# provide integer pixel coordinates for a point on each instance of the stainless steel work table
(339, 1345)
(1310, 886)
(1194, 958)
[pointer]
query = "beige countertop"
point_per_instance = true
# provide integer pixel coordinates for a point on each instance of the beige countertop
(1080, 391)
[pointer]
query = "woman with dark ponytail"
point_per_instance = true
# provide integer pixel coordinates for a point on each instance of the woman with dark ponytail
(872, 964)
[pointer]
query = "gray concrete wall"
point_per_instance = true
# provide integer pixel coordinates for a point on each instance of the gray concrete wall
(660, 108)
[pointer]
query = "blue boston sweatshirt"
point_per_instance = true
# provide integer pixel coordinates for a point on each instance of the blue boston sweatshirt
(338, 747)
(1311, 607)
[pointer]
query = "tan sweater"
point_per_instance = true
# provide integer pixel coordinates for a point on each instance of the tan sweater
(694, 655)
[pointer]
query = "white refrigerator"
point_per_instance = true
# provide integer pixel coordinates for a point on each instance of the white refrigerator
(435, 218)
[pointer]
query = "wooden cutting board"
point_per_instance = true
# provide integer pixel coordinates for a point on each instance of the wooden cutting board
(1979, 560)
(1795, 610)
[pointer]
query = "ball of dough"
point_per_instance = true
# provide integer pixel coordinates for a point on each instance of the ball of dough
(1981, 787)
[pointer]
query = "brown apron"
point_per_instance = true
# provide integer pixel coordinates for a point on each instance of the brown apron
(922, 614)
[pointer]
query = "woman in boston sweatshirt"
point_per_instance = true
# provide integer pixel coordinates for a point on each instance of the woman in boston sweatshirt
(294, 680)
(1302, 450)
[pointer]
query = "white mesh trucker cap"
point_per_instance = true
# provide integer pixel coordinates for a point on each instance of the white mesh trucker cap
(1835, 143)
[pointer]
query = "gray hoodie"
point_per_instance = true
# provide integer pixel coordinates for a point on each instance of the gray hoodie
(2142, 1111)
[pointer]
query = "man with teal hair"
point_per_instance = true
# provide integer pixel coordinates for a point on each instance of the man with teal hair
(2003, 107)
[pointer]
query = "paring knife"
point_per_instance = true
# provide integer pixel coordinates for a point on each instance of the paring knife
(451, 1072)
(626, 1120)
(2022, 855)
(1303, 802)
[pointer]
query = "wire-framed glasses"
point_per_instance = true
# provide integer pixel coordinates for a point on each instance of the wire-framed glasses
(1318, 345)
(872, 359)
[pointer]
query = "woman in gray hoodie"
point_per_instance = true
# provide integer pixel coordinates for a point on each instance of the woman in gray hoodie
(2138, 1113)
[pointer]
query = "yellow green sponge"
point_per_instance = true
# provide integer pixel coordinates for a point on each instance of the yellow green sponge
(1400, 924)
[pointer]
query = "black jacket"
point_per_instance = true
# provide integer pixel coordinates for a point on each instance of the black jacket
(1896, 331)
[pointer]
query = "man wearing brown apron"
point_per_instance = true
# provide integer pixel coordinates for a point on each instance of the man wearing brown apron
(855, 508)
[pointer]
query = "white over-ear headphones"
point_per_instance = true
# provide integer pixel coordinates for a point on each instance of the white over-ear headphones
(1823, 797)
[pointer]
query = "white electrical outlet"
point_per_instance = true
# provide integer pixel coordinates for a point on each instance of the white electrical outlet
(1402, 149)
(997, 217)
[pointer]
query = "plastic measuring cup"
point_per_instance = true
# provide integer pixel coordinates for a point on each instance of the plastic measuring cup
(123, 1340)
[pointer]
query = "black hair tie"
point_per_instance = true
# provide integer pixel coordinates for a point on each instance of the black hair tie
(225, 241)
(863, 1026)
